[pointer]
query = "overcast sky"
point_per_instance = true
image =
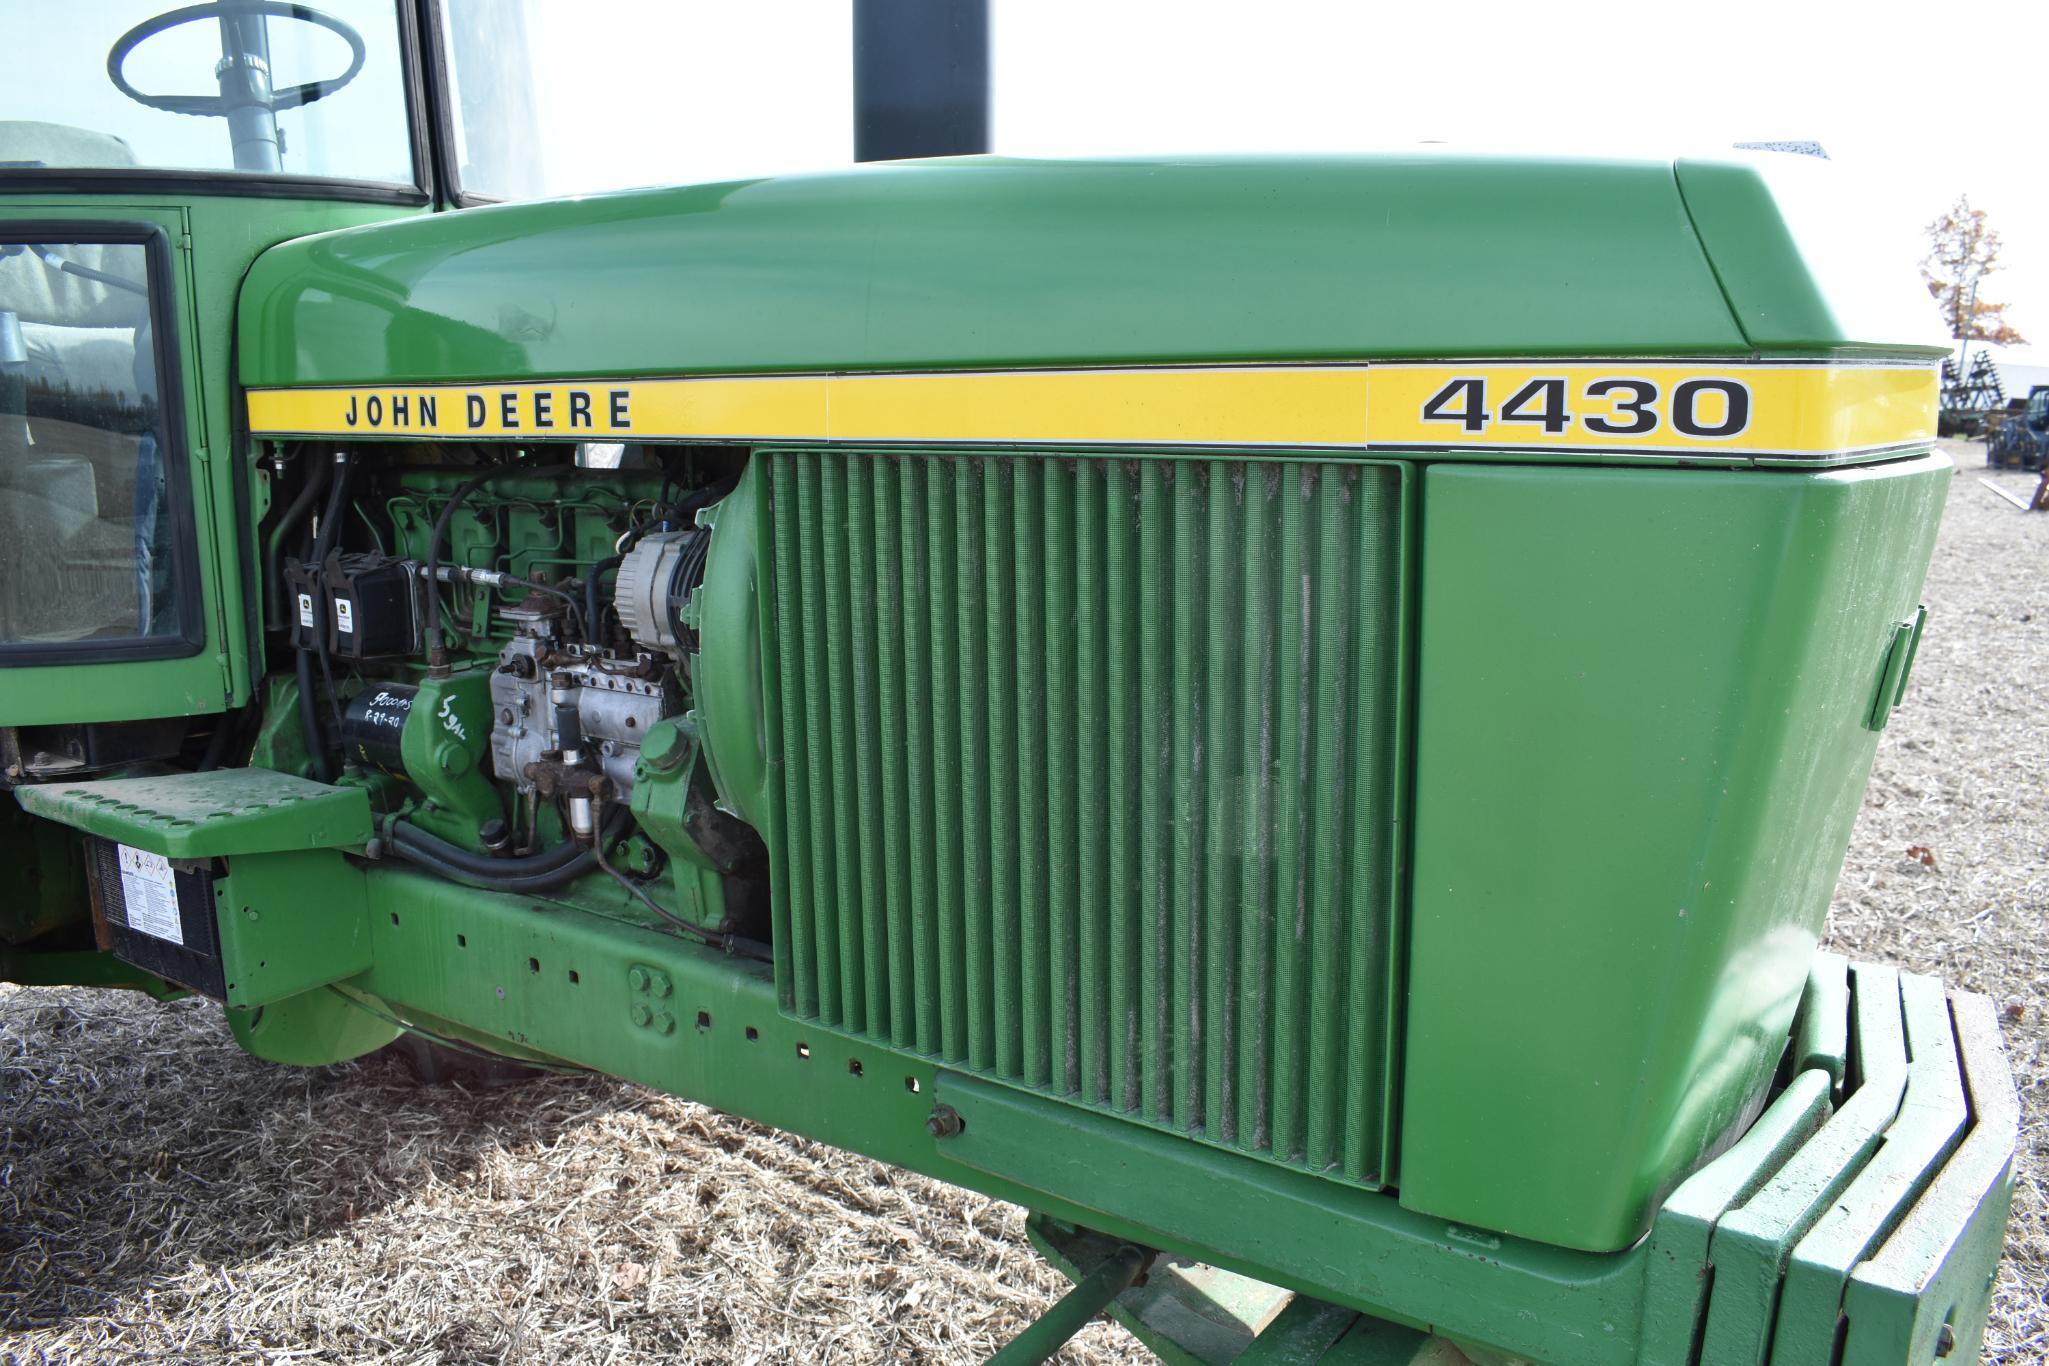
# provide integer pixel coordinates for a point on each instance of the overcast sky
(1905, 98)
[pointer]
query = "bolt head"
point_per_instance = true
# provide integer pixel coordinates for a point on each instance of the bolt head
(664, 748)
(943, 1122)
(642, 1014)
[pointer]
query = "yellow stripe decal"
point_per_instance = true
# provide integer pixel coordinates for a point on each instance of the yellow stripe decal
(1693, 408)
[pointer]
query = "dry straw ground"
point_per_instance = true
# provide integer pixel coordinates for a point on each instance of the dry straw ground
(163, 1196)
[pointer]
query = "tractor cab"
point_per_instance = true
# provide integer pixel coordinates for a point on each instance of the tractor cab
(146, 158)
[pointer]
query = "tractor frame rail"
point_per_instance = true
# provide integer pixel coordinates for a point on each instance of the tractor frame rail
(1857, 1222)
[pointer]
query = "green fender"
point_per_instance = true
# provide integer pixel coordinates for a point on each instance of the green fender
(310, 1030)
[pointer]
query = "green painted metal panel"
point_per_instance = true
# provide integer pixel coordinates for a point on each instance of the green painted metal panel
(1640, 751)
(726, 672)
(1225, 634)
(47, 882)
(569, 984)
(1935, 1273)
(906, 265)
(1789, 251)
(277, 942)
(310, 1030)
(206, 815)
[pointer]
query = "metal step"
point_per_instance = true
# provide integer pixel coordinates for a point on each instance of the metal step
(208, 815)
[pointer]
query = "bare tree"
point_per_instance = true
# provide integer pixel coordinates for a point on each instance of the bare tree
(1962, 250)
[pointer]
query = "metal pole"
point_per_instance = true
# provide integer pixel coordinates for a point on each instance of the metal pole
(1964, 335)
(1090, 1296)
(921, 78)
(244, 78)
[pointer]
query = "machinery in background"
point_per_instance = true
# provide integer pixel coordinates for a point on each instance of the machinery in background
(2019, 439)
(1969, 399)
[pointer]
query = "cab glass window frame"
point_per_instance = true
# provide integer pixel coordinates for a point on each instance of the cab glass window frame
(420, 190)
(187, 633)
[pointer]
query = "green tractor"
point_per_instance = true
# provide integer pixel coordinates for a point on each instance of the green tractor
(1295, 717)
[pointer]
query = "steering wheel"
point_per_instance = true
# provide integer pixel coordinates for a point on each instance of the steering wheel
(239, 48)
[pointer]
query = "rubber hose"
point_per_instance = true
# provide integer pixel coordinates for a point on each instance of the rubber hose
(412, 837)
(527, 882)
(309, 721)
(217, 743)
(404, 832)
(274, 605)
(323, 545)
(331, 515)
(592, 622)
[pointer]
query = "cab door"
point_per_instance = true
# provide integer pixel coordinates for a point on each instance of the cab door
(110, 595)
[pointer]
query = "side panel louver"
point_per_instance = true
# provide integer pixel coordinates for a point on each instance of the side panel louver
(1088, 776)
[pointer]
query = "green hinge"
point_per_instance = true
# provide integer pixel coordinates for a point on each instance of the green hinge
(1899, 662)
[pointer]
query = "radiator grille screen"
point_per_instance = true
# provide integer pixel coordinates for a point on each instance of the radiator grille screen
(1087, 779)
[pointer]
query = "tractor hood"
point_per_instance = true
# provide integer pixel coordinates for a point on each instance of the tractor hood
(991, 262)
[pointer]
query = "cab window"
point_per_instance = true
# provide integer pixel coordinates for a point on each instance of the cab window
(143, 86)
(95, 540)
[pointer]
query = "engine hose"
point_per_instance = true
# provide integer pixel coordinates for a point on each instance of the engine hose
(593, 623)
(692, 503)
(409, 836)
(400, 831)
(309, 721)
(546, 871)
(224, 727)
(689, 578)
(323, 545)
(734, 944)
(545, 881)
(273, 554)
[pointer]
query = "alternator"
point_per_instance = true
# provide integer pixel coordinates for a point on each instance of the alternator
(656, 578)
